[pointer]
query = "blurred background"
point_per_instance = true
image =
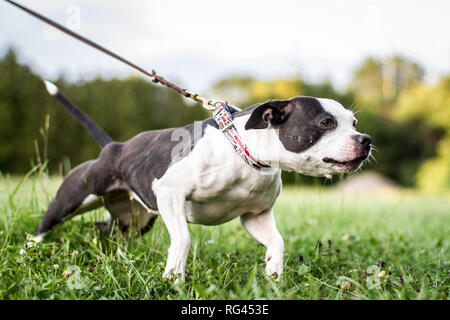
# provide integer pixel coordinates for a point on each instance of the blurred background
(388, 61)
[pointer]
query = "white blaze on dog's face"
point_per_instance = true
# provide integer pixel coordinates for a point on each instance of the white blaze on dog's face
(309, 135)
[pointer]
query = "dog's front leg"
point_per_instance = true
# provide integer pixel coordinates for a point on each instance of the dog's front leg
(171, 208)
(262, 227)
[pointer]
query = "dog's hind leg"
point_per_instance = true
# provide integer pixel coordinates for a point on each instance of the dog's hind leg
(76, 195)
(128, 212)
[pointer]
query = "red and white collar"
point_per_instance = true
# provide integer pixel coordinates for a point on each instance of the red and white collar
(223, 117)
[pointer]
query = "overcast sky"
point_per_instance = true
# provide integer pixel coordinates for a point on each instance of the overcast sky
(198, 42)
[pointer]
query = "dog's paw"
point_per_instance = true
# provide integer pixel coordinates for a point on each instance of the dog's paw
(175, 278)
(275, 274)
(274, 266)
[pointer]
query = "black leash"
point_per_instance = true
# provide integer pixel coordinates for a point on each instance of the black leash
(207, 103)
(222, 111)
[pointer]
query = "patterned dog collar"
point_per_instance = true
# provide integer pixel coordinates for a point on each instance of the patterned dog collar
(224, 119)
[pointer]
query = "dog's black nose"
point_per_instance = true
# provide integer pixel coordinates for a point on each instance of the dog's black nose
(363, 139)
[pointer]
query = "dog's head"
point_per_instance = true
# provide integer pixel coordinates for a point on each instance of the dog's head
(313, 136)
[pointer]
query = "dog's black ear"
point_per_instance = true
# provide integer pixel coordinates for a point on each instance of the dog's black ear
(272, 111)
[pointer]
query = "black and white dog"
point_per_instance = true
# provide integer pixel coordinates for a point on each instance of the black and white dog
(193, 174)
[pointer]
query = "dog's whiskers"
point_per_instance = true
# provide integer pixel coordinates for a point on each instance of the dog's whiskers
(374, 148)
(325, 182)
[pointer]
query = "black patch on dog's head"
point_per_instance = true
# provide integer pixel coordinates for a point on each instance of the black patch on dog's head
(272, 111)
(301, 121)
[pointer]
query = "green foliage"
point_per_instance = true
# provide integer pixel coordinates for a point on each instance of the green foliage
(427, 104)
(435, 173)
(244, 91)
(122, 107)
(377, 83)
(21, 102)
(430, 107)
(367, 83)
(401, 148)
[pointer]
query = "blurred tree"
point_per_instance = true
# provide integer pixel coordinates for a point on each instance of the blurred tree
(402, 147)
(377, 83)
(367, 83)
(122, 107)
(245, 91)
(234, 90)
(408, 121)
(399, 74)
(21, 113)
(429, 106)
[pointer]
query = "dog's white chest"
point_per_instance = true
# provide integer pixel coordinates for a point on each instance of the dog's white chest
(211, 206)
(218, 185)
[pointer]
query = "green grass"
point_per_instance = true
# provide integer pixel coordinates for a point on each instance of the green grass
(337, 246)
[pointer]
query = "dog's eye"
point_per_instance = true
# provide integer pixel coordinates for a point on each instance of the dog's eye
(354, 123)
(327, 122)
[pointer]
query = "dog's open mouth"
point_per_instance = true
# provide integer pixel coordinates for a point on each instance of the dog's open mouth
(347, 164)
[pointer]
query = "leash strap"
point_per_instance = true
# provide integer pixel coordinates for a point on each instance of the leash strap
(222, 111)
(224, 119)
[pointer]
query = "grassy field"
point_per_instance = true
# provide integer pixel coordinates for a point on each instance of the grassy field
(337, 246)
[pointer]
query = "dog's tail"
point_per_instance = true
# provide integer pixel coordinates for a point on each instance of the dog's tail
(100, 136)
